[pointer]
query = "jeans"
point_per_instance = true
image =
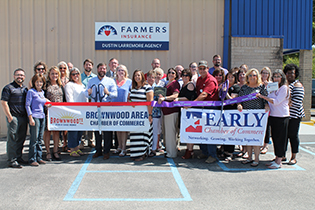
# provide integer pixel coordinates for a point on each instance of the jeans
(74, 138)
(15, 137)
(209, 150)
(35, 147)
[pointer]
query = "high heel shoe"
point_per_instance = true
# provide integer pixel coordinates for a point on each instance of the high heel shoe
(56, 157)
(48, 158)
(188, 154)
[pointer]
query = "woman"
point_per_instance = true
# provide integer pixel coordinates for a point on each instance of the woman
(253, 85)
(55, 93)
(265, 77)
(39, 68)
(123, 87)
(233, 92)
(64, 72)
(157, 114)
(170, 114)
(219, 75)
(193, 68)
(279, 116)
(64, 78)
(296, 109)
(35, 101)
(74, 91)
(140, 142)
(187, 93)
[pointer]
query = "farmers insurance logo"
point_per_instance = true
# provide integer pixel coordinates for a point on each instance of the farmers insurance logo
(195, 116)
(107, 30)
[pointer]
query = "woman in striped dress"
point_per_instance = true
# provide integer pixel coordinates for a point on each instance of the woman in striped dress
(140, 142)
(296, 109)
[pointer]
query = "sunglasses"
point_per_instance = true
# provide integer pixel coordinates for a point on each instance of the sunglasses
(74, 74)
(171, 72)
(185, 75)
(252, 75)
(40, 69)
(62, 68)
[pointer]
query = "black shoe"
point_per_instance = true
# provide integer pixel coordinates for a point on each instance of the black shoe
(14, 164)
(56, 158)
(21, 161)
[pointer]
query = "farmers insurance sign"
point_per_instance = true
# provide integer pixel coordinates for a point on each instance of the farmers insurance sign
(131, 36)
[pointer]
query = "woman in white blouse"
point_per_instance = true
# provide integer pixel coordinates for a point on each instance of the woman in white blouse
(74, 90)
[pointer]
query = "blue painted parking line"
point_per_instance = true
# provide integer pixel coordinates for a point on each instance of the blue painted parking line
(75, 185)
(306, 150)
(302, 143)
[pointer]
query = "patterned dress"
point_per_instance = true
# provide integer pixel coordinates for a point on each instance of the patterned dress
(140, 142)
(257, 103)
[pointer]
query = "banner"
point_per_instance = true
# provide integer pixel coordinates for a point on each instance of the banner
(85, 118)
(204, 126)
(131, 36)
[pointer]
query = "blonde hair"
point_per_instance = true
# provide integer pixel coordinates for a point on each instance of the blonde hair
(54, 68)
(258, 76)
(62, 63)
(123, 67)
(266, 68)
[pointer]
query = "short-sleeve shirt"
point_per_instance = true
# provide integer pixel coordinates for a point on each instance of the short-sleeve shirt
(122, 91)
(170, 89)
(139, 95)
(85, 79)
(209, 85)
(15, 95)
(257, 103)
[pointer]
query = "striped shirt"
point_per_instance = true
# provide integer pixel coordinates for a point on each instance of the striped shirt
(138, 95)
(297, 96)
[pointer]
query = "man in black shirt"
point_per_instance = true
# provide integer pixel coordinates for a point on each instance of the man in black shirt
(13, 103)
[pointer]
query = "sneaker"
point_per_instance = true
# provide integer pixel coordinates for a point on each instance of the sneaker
(14, 164)
(210, 160)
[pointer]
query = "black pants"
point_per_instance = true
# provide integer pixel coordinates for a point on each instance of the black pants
(108, 138)
(279, 131)
(267, 135)
(293, 135)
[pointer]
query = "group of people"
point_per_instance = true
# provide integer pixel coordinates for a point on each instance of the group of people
(65, 83)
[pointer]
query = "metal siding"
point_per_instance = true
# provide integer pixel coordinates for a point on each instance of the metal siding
(55, 30)
(289, 19)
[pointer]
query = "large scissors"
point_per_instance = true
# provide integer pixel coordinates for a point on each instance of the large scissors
(97, 95)
(222, 94)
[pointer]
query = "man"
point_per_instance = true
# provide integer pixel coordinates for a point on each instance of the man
(155, 64)
(179, 69)
(70, 66)
(207, 90)
(217, 65)
(85, 77)
(13, 103)
(109, 91)
(113, 63)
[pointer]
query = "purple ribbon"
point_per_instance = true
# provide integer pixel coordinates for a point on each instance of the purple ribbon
(204, 103)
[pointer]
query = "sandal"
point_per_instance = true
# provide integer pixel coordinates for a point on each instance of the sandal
(274, 166)
(74, 154)
(152, 153)
(117, 151)
(80, 152)
(269, 164)
(292, 162)
(254, 164)
(264, 150)
(247, 161)
(56, 157)
(122, 153)
(48, 158)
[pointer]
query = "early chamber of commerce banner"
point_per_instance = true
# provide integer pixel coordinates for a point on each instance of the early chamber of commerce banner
(205, 126)
(86, 118)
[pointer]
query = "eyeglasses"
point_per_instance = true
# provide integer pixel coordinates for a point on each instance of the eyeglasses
(74, 74)
(264, 73)
(119, 70)
(292, 72)
(171, 72)
(19, 75)
(218, 75)
(40, 69)
(252, 75)
(202, 68)
(185, 75)
(193, 67)
(277, 77)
